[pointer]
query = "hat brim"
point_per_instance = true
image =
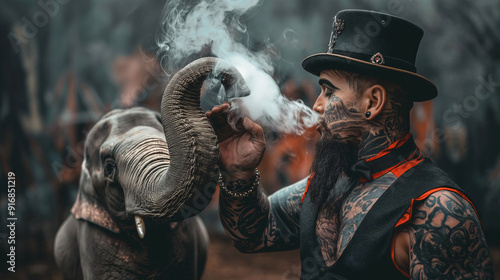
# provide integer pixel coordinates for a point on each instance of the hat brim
(418, 87)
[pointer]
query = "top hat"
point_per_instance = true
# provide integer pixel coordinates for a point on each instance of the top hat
(374, 44)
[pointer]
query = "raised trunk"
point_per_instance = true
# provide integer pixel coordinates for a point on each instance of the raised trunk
(192, 143)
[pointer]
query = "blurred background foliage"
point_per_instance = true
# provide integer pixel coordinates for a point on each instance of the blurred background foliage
(65, 62)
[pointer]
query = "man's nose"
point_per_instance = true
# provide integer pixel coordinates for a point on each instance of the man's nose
(319, 105)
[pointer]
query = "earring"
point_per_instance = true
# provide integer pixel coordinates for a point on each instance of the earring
(368, 114)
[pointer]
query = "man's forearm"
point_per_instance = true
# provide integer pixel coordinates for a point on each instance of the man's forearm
(245, 219)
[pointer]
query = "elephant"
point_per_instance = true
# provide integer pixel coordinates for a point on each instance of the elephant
(144, 178)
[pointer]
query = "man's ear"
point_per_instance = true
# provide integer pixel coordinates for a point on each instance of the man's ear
(374, 101)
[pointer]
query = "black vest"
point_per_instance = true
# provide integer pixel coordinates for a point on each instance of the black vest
(368, 254)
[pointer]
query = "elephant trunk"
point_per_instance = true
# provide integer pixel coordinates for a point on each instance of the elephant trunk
(192, 142)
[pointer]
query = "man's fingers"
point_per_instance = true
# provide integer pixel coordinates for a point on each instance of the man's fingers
(253, 128)
(225, 106)
(220, 109)
(218, 117)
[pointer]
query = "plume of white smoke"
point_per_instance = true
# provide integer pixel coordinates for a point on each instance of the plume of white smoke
(188, 28)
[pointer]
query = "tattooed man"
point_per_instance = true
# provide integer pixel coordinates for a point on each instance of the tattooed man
(373, 207)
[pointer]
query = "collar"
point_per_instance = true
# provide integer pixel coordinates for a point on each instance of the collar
(386, 160)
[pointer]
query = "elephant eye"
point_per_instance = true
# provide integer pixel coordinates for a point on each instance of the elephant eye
(109, 168)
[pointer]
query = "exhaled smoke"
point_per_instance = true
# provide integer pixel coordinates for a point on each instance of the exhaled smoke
(187, 29)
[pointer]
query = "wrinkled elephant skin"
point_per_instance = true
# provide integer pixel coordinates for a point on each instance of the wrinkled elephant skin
(133, 216)
(99, 240)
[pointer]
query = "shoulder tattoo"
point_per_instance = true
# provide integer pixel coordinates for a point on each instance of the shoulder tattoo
(447, 241)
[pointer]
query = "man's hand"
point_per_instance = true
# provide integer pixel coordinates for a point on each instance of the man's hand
(241, 149)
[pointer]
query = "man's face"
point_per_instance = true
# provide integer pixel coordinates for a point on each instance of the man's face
(341, 127)
(339, 106)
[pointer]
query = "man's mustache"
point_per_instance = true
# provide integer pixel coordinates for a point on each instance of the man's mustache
(322, 128)
(325, 131)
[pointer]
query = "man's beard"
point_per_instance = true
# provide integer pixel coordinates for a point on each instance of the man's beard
(333, 160)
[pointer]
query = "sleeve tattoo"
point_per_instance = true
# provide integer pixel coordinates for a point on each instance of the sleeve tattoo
(261, 224)
(446, 240)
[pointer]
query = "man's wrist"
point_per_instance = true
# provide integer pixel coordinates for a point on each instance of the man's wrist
(235, 173)
(241, 175)
(240, 187)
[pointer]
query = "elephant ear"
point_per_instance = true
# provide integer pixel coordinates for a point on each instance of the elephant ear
(87, 207)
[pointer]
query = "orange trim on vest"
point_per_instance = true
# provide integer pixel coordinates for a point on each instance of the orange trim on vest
(394, 261)
(393, 146)
(406, 217)
(409, 212)
(398, 169)
(307, 187)
(405, 166)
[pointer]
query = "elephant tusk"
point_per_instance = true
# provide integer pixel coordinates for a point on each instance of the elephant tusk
(140, 225)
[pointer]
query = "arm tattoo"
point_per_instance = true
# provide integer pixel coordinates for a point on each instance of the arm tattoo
(446, 240)
(256, 223)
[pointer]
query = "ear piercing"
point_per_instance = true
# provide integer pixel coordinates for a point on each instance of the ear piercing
(368, 114)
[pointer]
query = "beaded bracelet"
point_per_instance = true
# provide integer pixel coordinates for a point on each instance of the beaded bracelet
(240, 194)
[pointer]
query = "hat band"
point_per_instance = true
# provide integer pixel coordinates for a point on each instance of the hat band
(388, 61)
